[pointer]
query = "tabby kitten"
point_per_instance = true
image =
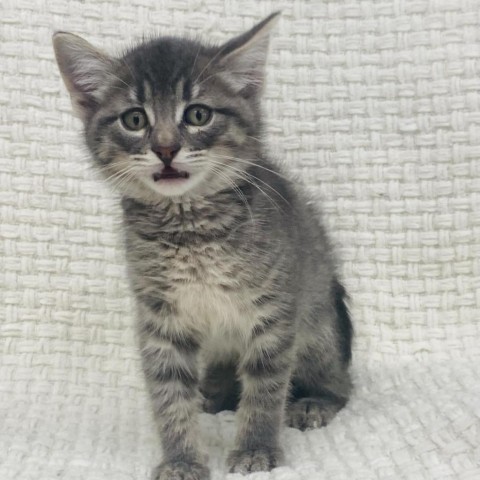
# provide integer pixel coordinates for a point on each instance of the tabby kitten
(239, 306)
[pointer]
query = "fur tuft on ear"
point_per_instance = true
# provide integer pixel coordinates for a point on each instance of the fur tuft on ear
(84, 70)
(243, 58)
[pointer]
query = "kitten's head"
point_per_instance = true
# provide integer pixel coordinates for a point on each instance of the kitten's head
(172, 117)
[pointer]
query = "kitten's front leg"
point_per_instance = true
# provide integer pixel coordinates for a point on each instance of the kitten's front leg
(265, 373)
(169, 363)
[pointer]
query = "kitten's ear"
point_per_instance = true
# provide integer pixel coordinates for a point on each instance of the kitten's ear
(84, 70)
(243, 58)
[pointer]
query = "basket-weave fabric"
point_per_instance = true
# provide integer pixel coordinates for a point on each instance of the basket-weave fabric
(375, 106)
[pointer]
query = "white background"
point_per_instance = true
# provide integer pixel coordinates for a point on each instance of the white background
(375, 106)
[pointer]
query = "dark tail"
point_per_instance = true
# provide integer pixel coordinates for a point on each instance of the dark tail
(345, 326)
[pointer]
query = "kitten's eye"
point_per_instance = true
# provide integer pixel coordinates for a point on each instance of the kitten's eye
(135, 119)
(197, 115)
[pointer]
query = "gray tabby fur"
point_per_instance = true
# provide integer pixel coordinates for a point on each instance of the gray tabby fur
(238, 301)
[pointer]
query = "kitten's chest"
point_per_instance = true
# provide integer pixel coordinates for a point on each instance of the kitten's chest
(200, 268)
(208, 285)
(212, 264)
(212, 295)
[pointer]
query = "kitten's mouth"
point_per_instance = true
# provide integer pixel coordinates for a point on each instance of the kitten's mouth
(170, 173)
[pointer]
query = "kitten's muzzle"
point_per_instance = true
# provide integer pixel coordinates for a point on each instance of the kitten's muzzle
(166, 153)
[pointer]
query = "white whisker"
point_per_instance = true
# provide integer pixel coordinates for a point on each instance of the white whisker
(237, 191)
(248, 177)
(248, 162)
(220, 51)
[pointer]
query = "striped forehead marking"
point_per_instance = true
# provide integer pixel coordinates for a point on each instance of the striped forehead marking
(148, 103)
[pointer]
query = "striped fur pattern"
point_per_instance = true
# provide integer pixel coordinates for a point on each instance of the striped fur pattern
(239, 306)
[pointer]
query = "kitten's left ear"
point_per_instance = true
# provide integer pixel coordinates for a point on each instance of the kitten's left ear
(243, 58)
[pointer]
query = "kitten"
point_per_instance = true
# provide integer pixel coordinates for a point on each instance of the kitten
(238, 302)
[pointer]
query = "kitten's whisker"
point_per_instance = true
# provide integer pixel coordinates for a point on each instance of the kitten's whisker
(244, 175)
(118, 184)
(249, 176)
(237, 190)
(111, 74)
(219, 73)
(114, 87)
(272, 201)
(208, 78)
(220, 51)
(260, 180)
(118, 177)
(247, 162)
(253, 184)
(116, 162)
(195, 60)
(109, 168)
(119, 172)
(129, 69)
(125, 180)
(114, 176)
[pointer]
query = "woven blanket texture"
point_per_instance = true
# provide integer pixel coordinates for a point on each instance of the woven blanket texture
(375, 106)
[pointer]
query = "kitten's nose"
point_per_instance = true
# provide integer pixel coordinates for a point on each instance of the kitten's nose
(166, 153)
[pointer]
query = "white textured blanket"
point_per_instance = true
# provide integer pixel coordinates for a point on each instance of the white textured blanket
(375, 104)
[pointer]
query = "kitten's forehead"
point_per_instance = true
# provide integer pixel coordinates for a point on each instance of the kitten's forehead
(168, 65)
(148, 102)
(164, 104)
(147, 92)
(166, 75)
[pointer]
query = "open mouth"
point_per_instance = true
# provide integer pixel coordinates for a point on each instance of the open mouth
(170, 173)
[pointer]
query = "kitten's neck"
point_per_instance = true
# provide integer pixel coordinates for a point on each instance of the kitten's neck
(212, 215)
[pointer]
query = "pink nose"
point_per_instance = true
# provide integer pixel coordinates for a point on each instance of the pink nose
(166, 153)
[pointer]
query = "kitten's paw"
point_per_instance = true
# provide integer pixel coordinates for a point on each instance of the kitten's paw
(309, 413)
(181, 471)
(258, 460)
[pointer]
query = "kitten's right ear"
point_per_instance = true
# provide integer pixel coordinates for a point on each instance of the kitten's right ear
(84, 70)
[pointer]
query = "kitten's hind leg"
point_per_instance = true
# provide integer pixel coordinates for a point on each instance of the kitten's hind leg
(318, 391)
(316, 397)
(220, 388)
(321, 383)
(312, 412)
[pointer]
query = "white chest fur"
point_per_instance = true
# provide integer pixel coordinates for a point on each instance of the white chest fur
(212, 295)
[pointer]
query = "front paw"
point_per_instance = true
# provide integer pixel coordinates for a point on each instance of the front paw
(181, 471)
(254, 460)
